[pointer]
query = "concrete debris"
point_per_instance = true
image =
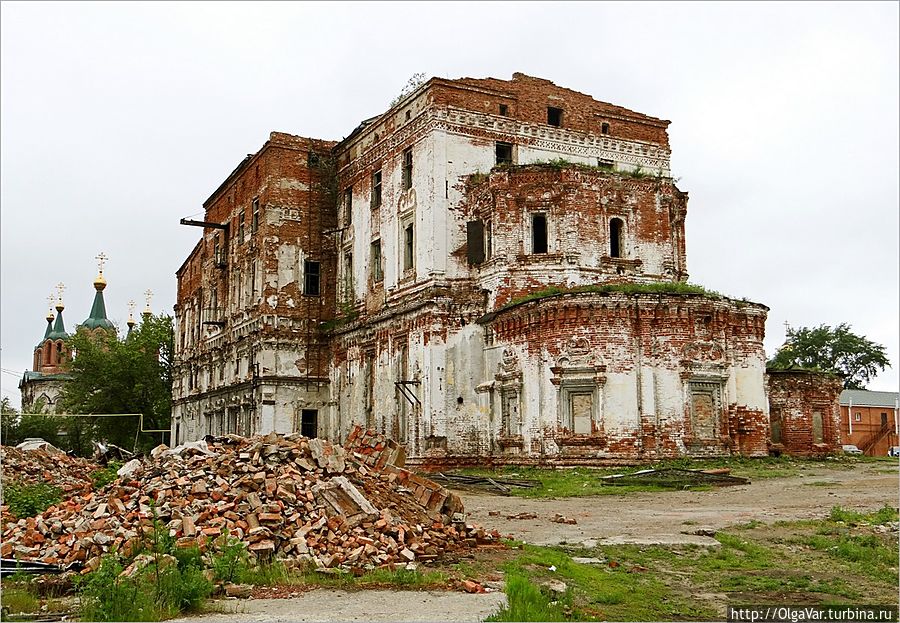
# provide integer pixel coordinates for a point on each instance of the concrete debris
(556, 586)
(557, 518)
(130, 469)
(581, 560)
(303, 501)
(522, 516)
(36, 443)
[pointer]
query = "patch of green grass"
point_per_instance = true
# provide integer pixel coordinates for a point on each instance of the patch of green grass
(19, 600)
(618, 593)
(883, 515)
(527, 602)
(102, 477)
(819, 483)
(30, 500)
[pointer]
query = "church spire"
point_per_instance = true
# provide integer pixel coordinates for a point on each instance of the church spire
(98, 319)
(59, 327)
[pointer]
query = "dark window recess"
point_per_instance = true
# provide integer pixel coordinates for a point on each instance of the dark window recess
(606, 165)
(309, 423)
(538, 233)
(615, 237)
(311, 278)
(218, 256)
(241, 219)
(504, 153)
(407, 168)
(475, 242)
(376, 189)
(254, 219)
(313, 159)
(504, 110)
(408, 115)
(377, 270)
(554, 116)
(604, 128)
(408, 247)
(348, 205)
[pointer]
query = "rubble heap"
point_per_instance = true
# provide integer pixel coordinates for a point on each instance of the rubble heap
(46, 465)
(291, 498)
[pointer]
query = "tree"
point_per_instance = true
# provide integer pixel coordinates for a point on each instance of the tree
(131, 375)
(836, 349)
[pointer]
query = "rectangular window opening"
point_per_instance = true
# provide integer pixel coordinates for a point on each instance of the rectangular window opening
(504, 153)
(606, 165)
(348, 276)
(504, 110)
(311, 278)
(538, 233)
(475, 252)
(407, 168)
(309, 423)
(554, 116)
(348, 205)
(604, 128)
(241, 221)
(377, 269)
(376, 189)
(254, 219)
(408, 247)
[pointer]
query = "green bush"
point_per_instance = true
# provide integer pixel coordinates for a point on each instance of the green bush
(229, 563)
(526, 602)
(30, 500)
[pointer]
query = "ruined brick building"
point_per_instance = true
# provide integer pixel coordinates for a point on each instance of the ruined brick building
(490, 268)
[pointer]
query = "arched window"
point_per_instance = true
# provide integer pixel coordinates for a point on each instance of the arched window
(616, 241)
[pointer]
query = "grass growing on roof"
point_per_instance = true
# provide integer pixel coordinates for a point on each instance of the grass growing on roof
(657, 287)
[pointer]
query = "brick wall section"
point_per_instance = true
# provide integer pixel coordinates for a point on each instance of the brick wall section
(382, 454)
(528, 98)
(579, 205)
(794, 396)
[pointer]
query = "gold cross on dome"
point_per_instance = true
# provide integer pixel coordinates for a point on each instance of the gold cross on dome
(131, 306)
(50, 300)
(60, 288)
(101, 260)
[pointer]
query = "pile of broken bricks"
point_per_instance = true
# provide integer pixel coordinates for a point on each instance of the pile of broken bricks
(289, 498)
(46, 465)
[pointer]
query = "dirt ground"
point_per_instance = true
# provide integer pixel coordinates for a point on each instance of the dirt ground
(663, 516)
(658, 517)
(370, 605)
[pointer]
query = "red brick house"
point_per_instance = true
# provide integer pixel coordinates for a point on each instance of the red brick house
(869, 420)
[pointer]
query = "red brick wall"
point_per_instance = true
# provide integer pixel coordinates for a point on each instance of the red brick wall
(793, 397)
(868, 428)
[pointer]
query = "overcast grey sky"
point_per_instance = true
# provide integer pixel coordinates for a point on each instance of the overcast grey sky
(120, 118)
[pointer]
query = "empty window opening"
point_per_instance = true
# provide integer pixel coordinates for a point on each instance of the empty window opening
(311, 278)
(348, 205)
(857, 417)
(504, 110)
(538, 233)
(241, 219)
(309, 423)
(376, 189)
(615, 237)
(408, 115)
(554, 116)
(604, 128)
(313, 159)
(606, 165)
(217, 250)
(254, 219)
(377, 270)
(504, 153)
(408, 247)
(407, 168)
(475, 252)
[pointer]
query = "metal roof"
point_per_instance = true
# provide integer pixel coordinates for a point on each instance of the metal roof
(864, 398)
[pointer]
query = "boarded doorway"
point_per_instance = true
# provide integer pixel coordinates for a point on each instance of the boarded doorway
(706, 401)
(309, 423)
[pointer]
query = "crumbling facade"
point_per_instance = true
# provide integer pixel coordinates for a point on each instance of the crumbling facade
(804, 414)
(501, 270)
